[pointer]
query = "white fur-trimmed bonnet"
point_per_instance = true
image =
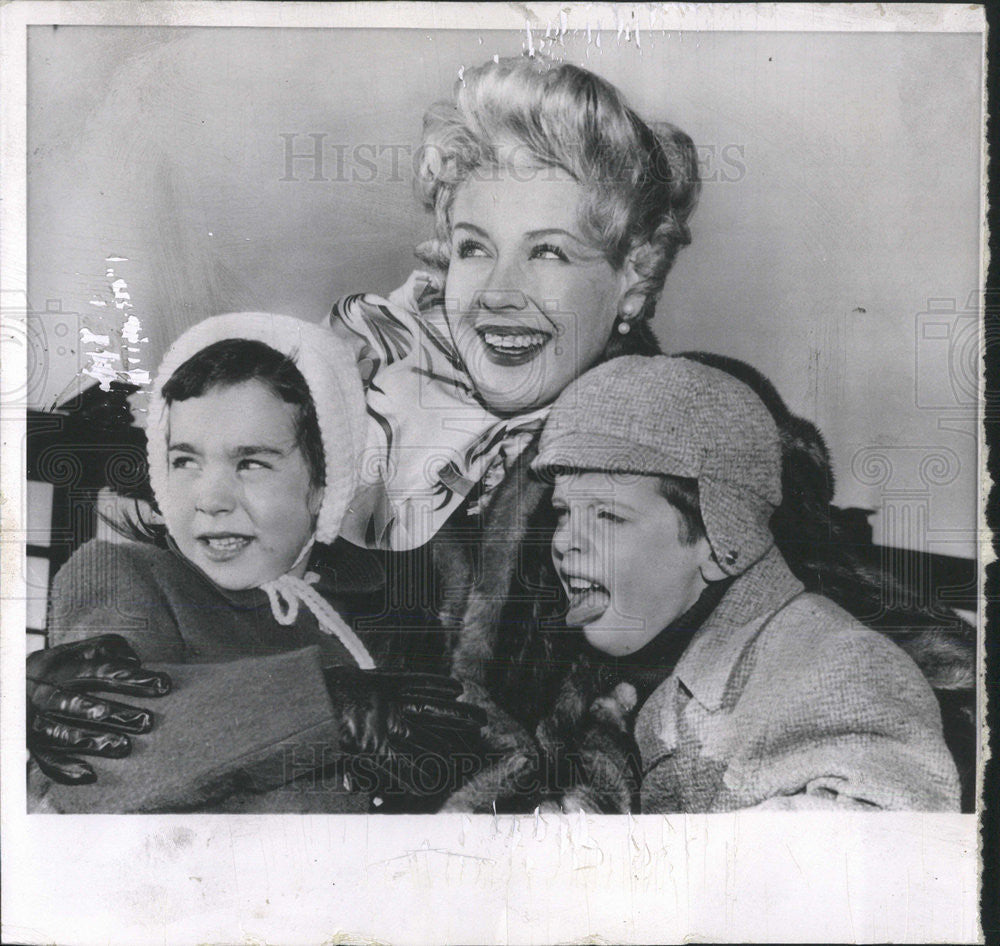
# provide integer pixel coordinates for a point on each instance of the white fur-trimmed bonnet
(331, 374)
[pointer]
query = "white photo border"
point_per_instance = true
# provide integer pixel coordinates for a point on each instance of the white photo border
(444, 879)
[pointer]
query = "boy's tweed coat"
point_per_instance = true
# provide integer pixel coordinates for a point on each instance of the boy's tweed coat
(500, 605)
(782, 700)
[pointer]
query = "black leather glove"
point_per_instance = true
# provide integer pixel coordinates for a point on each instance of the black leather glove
(406, 724)
(65, 720)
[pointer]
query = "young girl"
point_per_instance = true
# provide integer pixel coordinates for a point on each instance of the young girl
(254, 442)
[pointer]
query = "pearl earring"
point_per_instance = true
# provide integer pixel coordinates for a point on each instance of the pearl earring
(624, 327)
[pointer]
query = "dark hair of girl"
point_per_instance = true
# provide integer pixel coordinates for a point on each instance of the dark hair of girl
(238, 360)
(225, 364)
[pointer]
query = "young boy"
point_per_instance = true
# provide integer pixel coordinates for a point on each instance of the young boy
(667, 472)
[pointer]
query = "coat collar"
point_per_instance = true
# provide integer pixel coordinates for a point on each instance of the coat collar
(761, 591)
(346, 569)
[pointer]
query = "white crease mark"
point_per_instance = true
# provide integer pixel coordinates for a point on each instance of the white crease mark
(130, 331)
(102, 365)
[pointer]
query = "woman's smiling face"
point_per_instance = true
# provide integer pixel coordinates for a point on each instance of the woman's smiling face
(239, 501)
(530, 301)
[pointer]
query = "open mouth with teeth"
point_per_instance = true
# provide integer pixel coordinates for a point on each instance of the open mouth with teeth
(221, 547)
(510, 345)
(588, 600)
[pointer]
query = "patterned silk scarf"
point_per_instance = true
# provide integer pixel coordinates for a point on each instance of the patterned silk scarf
(430, 437)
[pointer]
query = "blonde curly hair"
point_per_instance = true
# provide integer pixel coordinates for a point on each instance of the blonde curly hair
(640, 181)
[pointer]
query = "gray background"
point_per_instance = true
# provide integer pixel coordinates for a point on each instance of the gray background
(836, 246)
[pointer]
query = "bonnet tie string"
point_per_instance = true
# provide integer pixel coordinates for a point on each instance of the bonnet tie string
(286, 592)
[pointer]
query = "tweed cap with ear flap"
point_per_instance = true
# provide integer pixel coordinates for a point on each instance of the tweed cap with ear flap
(669, 415)
(331, 374)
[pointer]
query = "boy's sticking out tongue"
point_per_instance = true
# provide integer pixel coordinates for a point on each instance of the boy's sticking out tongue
(588, 600)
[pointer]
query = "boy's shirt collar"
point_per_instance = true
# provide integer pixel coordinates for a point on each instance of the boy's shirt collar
(706, 666)
(647, 668)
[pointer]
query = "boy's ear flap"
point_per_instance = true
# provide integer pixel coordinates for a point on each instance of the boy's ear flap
(709, 566)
